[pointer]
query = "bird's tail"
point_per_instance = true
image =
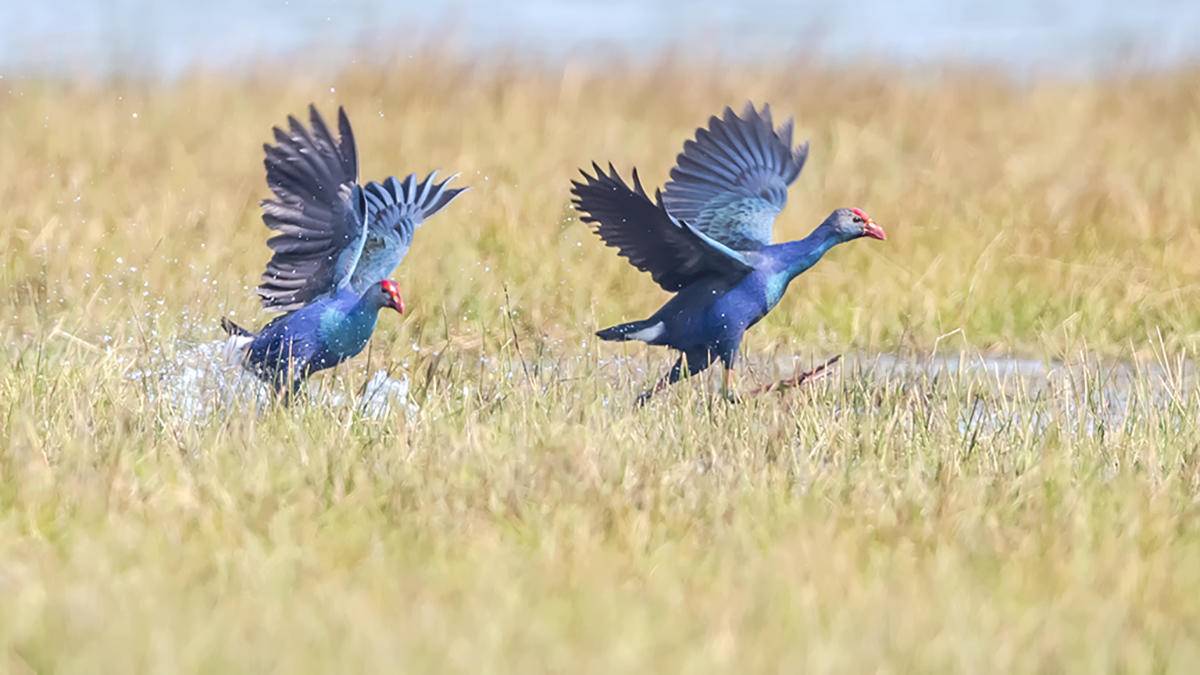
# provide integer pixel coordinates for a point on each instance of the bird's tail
(647, 330)
(237, 345)
(233, 330)
(415, 199)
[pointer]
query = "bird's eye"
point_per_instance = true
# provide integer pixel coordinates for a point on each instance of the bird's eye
(858, 219)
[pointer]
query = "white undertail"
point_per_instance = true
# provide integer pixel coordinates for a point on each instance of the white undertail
(648, 334)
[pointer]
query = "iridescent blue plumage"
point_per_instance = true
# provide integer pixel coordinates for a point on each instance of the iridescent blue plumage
(336, 245)
(707, 237)
(317, 336)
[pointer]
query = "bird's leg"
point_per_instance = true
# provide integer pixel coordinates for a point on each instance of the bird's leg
(288, 384)
(665, 381)
(295, 391)
(727, 391)
(286, 389)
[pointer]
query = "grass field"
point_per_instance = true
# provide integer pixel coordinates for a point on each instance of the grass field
(528, 518)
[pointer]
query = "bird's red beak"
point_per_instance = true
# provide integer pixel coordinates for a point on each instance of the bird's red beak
(874, 231)
(395, 300)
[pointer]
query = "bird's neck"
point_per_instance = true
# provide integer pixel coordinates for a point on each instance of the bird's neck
(367, 308)
(795, 257)
(351, 323)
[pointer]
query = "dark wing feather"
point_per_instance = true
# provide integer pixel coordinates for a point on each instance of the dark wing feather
(731, 181)
(318, 211)
(674, 253)
(305, 268)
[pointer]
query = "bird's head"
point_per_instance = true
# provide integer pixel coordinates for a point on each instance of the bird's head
(389, 295)
(854, 223)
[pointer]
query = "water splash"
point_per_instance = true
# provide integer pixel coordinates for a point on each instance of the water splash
(199, 381)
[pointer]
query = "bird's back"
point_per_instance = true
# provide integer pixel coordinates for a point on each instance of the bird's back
(291, 338)
(298, 341)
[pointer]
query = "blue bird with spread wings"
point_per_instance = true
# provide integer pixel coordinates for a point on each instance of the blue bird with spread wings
(337, 244)
(707, 237)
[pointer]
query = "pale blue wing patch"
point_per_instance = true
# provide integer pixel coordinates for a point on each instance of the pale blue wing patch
(732, 179)
(743, 223)
(396, 208)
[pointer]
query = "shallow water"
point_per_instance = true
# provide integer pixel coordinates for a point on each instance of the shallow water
(1089, 395)
(203, 380)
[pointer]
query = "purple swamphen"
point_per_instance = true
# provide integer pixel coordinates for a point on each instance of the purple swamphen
(707, 237)
(336, 245)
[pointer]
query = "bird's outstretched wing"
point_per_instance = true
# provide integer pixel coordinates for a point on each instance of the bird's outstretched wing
(319, 212)
(395, 209)
(673, 252)
(731, 180)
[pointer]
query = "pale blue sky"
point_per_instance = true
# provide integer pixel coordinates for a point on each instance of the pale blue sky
(167, 37)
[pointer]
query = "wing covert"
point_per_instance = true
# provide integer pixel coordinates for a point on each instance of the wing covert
(731, 181)
(395, 209)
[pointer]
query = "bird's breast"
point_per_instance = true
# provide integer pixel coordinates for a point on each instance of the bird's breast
(773, 290)
(345, 334)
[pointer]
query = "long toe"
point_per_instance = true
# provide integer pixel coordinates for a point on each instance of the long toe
(800, 378)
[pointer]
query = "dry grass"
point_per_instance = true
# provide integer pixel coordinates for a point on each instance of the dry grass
(528, 519)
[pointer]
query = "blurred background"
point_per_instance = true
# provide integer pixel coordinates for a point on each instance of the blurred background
(1035, 162)
(1022, 37)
